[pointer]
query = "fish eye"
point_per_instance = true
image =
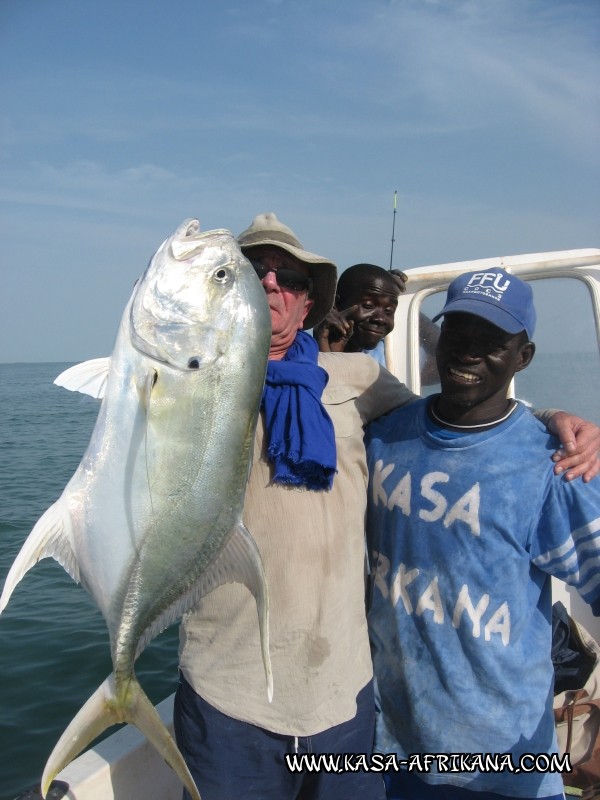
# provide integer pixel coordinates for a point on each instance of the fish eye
(194, 363)
(222, 275)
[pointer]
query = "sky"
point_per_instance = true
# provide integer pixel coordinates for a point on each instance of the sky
(118, 120)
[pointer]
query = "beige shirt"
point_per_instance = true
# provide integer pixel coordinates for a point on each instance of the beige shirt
(313, 551)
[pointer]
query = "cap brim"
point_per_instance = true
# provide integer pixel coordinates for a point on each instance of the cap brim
(479, 308)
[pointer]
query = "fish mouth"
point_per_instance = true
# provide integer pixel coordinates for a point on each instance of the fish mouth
(461, 376)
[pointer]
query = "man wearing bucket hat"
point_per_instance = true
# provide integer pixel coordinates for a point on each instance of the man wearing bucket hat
(305, 507)
(466, 524)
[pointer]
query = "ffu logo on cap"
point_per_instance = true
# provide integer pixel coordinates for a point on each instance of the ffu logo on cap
(491, 284)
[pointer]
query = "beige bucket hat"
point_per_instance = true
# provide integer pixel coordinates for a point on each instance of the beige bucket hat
(267, 229)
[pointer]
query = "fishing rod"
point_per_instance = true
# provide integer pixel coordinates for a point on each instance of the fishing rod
(393, 230)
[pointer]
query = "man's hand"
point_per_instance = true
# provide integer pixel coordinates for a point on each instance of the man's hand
(400, 279)
(579, 454)
(333, 332)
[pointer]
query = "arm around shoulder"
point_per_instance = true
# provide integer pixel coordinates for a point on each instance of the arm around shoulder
(384, 393)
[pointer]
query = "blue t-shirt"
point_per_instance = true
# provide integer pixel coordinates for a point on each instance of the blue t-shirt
(377, 352)
(463, 532)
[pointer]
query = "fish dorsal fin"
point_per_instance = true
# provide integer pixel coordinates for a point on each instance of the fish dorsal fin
(48, 539)
(238, 560)
(89, 377)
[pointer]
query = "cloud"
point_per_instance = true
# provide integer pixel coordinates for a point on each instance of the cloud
(346, 71)
(472, 65)
(91, 186)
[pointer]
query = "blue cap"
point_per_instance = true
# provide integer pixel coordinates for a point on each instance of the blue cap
(495, 295)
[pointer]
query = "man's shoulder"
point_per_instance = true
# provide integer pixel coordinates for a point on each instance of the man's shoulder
(531, 431)
(359, 378)
(356, 368)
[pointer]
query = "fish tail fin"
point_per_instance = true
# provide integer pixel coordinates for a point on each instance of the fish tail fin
(48, 538)
(109, 706)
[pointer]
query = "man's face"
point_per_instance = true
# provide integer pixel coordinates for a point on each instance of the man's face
(289, 307)
(476, 362)
(377, 300)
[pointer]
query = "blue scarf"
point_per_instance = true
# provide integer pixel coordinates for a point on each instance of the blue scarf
(300, 434)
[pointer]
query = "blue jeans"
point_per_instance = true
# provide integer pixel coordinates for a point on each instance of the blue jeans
(233, 760)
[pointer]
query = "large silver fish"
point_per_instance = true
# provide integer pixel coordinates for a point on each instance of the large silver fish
(152, 518)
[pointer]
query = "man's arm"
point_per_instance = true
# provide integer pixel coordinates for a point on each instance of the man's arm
(566, 542)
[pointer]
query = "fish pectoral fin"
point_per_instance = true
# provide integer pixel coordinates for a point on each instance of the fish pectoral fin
(239, 560)
(48, 539)
(89, 377)
(106, 707)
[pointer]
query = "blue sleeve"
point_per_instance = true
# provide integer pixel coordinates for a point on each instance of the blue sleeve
(566, 543)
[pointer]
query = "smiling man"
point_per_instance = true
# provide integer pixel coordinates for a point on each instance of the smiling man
(466, 524)
(365, 304)
(366, 300)
(375, 293)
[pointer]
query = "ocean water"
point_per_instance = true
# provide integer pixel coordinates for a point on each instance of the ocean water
(566, 380)
(53, 642)
(54, 648)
